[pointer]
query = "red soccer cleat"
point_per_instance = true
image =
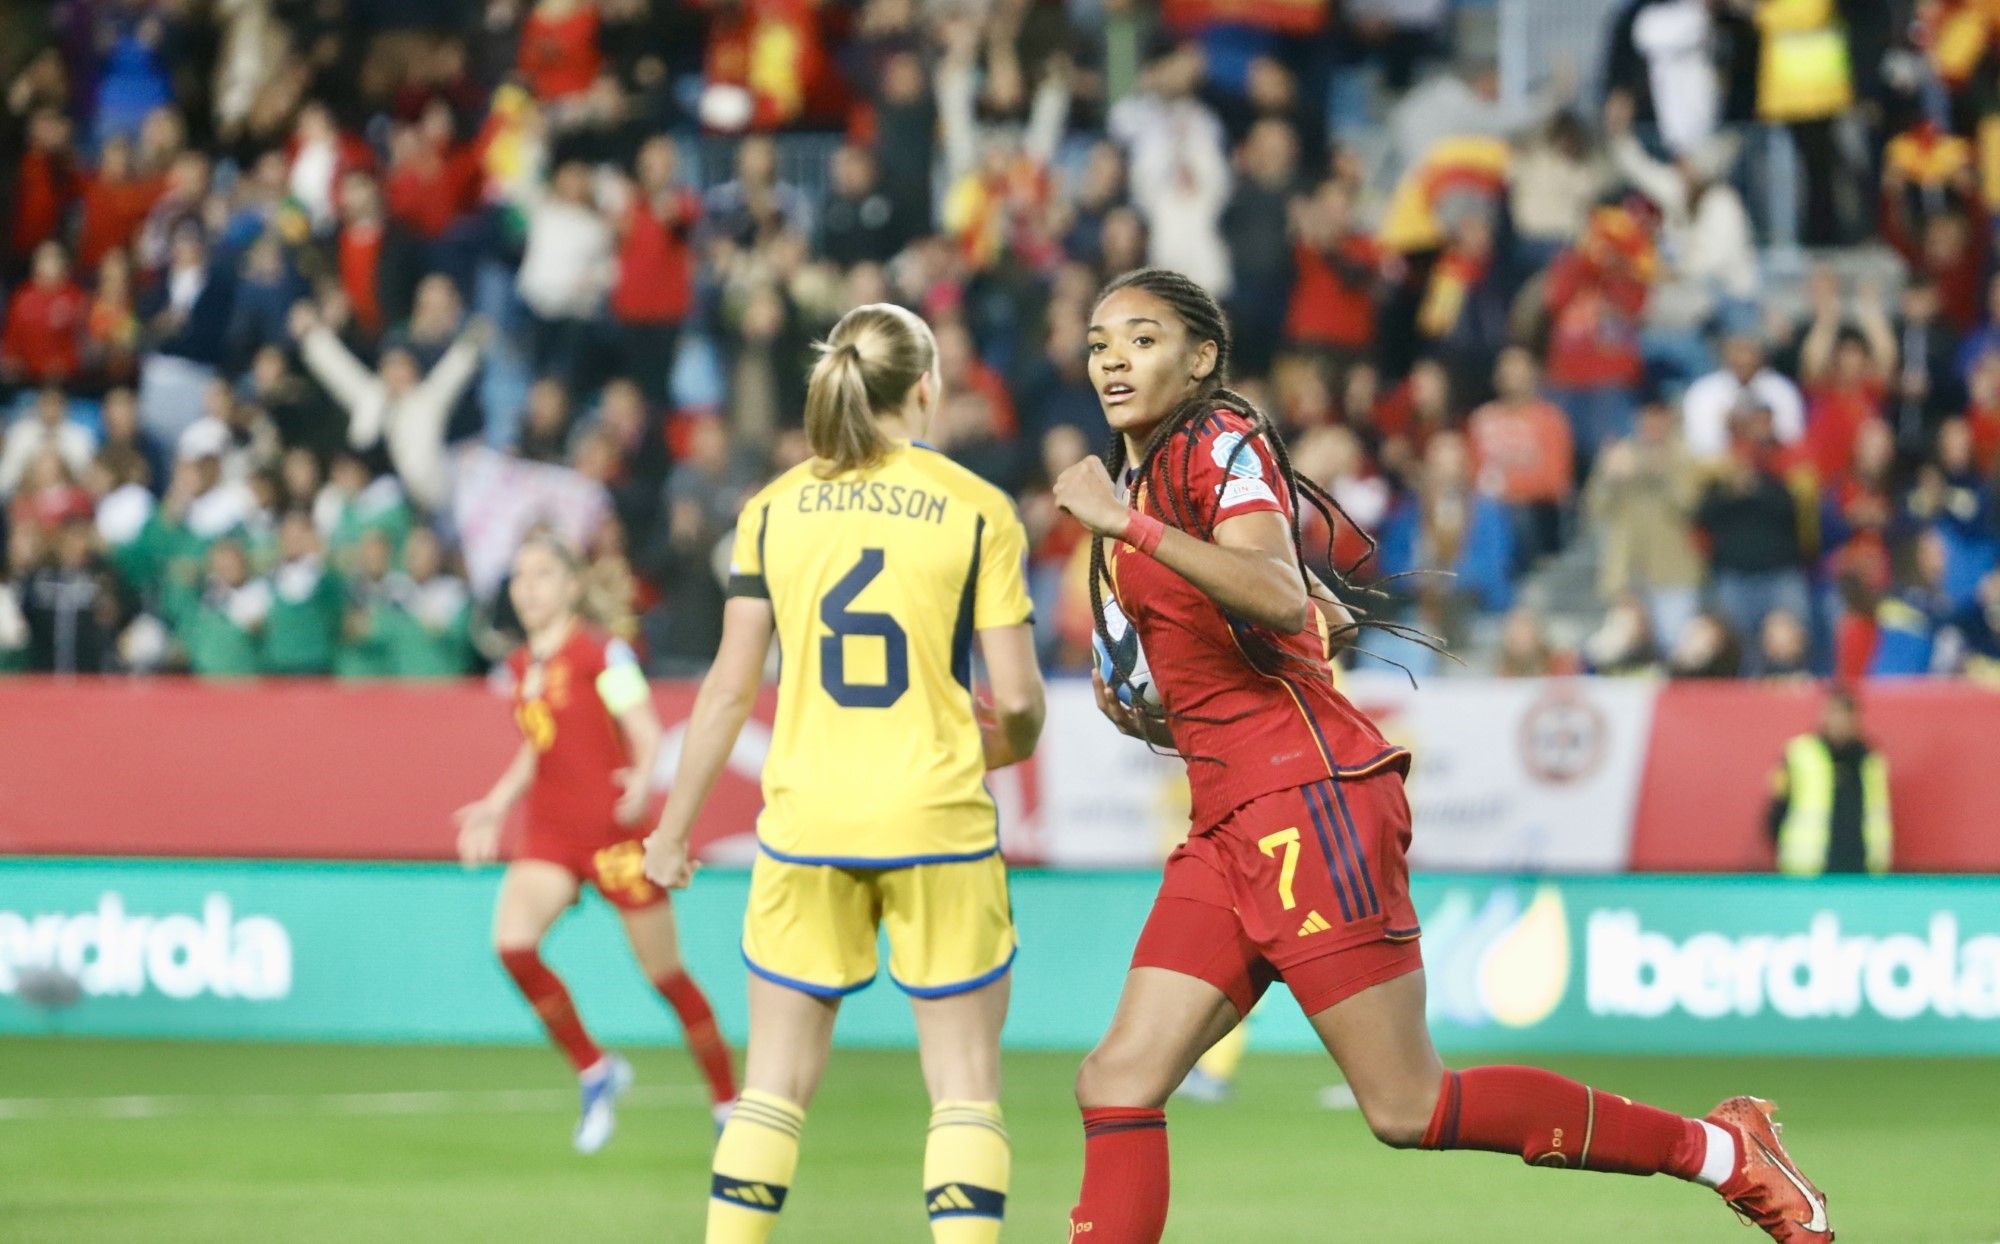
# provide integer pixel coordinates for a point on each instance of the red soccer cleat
(1768, 1188)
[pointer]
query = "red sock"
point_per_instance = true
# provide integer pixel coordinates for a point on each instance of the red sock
(1124, 1197)
(703, 1038)
(544, 991)
(1553, 1121)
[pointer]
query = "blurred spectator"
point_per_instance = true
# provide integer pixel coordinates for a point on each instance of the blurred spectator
(1335, 274)
(1525, 650)
(437, 321)
(1976, 630)
(1595, 295)
(1447, 524)
(117, 196)
(702, 497)
(1954, 500)
(565, 271)
(1803, 84)
(111, 335)
(1255, 228)
(45, 321)
(430, 625)
(559, 56)
(49, 427)
(1663, 70)
(755, 203)
(46, 182)
(363, 651)
(1829, 809)
(1705, 648)
(859, 222)
(1712, 401)
(1925, 386)
(1556, 179)
(1752, 525)
(1846, 373)
(1714, 265)
(1784, 648)
(303, 625)
(1521, 452)
(1623, 644)
(397, 407)
(1642, 503)
(1909, 620)
(71, 604)
(218, 627)
(1179, 170)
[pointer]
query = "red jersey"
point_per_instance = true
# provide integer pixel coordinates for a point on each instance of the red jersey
(1247, 733)
(559, 711)
(655, 262)
(559, 56)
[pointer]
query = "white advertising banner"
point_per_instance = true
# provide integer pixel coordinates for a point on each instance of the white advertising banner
(1528, 776)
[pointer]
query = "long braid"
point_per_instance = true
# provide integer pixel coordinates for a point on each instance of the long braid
(1205, 321)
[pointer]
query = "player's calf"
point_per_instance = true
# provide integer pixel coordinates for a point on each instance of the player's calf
(755, 1161)
(966, 1167)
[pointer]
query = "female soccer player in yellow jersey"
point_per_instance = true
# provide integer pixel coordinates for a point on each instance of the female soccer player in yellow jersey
(875, 564)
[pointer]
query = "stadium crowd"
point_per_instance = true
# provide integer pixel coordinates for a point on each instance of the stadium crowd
(313, 308)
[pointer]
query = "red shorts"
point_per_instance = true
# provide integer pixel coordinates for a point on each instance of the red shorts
(1306, 884)
(617, 869)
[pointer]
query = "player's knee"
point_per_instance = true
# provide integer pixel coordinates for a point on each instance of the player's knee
(1398, 1119)
(1398, 1129)
(1117, 1073)
(508, 947)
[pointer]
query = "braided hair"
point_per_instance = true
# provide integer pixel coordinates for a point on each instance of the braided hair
(1197, 309)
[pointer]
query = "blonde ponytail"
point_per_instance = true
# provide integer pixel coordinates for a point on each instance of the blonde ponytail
(867, 366)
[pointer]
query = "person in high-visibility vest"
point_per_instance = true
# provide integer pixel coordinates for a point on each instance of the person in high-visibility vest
(1830, 804)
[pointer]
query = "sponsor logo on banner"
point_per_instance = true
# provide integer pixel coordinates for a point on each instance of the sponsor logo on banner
(113, 952)
(1497, 960)
(1822, 973)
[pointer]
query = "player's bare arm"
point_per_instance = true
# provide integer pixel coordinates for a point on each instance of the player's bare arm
(642, 742)
(480, 822)
(720, 708)
(1341, 624)
(1011, 719)
(1250, 570)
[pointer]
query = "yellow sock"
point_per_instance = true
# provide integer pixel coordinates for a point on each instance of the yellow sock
(965, 1172)
(754, 1162)
(1226, 1055)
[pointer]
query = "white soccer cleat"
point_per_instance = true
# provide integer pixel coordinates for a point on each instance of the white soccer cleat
(602, 1085)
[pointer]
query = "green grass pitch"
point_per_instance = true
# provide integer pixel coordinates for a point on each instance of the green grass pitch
(154, 1143)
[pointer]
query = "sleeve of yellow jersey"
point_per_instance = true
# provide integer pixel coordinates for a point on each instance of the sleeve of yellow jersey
(1001, 597)
(746, 558)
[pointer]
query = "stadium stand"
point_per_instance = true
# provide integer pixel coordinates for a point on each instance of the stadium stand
(1668, 330)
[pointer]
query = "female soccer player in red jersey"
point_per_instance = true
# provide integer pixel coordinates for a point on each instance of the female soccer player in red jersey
(588, 739)
(1293, 868)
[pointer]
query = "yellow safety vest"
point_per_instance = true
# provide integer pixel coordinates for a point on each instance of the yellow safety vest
(1807, 832)
(1805, 71)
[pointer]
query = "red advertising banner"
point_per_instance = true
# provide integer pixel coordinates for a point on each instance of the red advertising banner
(1716, 744)
(340, 771)
(323, 770)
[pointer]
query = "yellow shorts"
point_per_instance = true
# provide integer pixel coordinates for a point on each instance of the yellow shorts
(813, 926)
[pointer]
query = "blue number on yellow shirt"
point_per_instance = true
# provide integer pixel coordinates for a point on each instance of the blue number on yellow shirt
(846, 623)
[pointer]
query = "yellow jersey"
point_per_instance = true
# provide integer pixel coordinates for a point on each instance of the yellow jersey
(877, 581)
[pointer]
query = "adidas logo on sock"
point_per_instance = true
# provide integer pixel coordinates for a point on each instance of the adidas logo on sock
(1315, 923)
